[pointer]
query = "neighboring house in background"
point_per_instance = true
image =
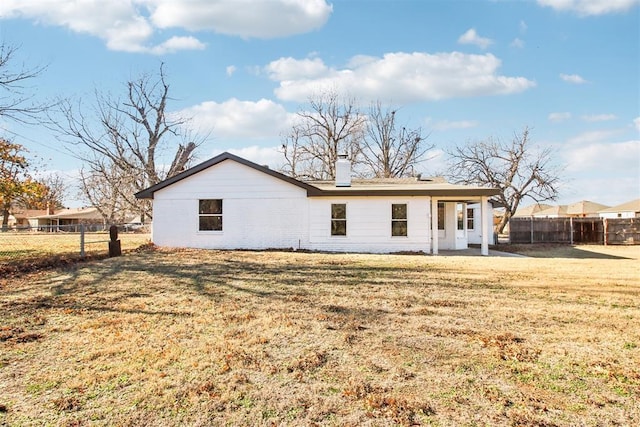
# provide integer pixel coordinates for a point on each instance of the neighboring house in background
(531, 210)
(527, 212)
(68, 217)
(585, 209)
(582, 209)
(229, 202)
(552, 212)
(20, 217)
(23, 216)
(629, 209)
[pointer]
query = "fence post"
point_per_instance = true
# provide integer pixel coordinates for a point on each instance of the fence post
(531, 230)
(571, 231)
(604, 221)
(114, 243)
(82, 240)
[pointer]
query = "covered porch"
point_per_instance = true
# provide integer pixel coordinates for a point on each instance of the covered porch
(451, 222)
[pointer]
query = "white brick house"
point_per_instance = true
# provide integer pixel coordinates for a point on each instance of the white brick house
(228, 202)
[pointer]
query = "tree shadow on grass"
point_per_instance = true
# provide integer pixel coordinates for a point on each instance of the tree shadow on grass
(104, 285)
(49, 302)
(543, 250)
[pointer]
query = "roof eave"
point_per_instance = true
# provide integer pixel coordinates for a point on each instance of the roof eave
(311, 190)
(471, 192)
(148, 193)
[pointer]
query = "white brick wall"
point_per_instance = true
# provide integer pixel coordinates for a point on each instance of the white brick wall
(475, 235)
(259, 211)
(369, 225)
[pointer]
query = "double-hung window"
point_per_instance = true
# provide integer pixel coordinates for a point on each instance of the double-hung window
(399, 219)
(470, 219)
(210, 215)
(338, 219)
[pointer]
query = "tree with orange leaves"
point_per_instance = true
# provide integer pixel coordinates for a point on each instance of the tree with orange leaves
(15, 182)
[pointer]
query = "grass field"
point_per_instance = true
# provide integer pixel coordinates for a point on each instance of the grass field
(189, 337)
(25, 247)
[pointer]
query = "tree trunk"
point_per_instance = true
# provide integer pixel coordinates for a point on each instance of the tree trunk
(5, 218)
(503, 223)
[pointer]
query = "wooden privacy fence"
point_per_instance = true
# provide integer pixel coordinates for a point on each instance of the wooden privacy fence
(604, 231)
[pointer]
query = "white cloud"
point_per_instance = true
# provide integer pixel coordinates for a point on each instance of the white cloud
(293, 69)
(593, 137)
(599, 117)
(244, 18)
(231, 69)
(590, 7)
(601, 169)
(436, 163)
(636, 122)
(397, 77)
(559, 117)
(130, 25)
(234, 119)
(517, 43)
(573, 78)
(175, 44)
(361, 61)
(605, 157)
(608, 190)
(443, 125)
(266, 156)
(472, 37)
(118, 23)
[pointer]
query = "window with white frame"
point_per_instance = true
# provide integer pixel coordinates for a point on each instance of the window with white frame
(399, 219)
(460, 215)
(470, 219)
(338, 219)
(210, 215)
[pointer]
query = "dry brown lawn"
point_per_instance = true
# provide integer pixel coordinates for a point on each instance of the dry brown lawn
(169, 337)
(25, 246)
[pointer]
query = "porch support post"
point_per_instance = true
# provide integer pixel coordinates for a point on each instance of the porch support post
(434, 226)
(484, 212)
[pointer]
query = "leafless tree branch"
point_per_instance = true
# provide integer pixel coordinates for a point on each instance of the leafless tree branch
(15, 101)
(121, 142)
(330, 127)
(517, 168)
(389, 152)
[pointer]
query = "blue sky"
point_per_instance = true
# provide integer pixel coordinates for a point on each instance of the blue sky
(461, 70)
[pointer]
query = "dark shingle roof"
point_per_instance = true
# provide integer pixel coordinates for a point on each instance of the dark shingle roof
(366, 187)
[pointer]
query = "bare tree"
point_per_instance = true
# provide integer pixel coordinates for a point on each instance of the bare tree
(518, 169)
(389, 151)
(15, 103)
(56, 190)
(52, 195)
(292, 151)
(106, 188)
(122, 141)
(331, 127)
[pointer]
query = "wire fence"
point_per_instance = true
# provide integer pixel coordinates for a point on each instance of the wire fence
(25, 245)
